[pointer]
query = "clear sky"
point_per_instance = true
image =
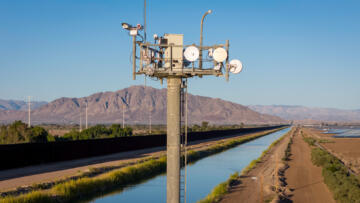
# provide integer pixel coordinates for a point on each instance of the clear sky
(294, 52)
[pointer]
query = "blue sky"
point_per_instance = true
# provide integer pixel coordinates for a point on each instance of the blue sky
(294, 52)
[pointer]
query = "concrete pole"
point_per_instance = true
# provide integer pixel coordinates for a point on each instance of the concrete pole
(86, 116)
(29, 112)
(123, 115)
(80, 120)
(173, 140)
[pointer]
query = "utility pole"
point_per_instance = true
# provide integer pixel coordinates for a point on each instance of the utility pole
(86, 115)
(29, 112)
(150, 119)
(164, 59)
(123, 115)
(80, 120)
(123, 108)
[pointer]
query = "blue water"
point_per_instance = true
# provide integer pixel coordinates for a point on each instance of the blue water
(344, 133)
(202, 176)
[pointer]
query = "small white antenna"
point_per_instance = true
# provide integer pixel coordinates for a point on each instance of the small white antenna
(29, 111)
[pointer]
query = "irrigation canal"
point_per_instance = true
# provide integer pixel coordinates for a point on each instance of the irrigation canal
(202, 176)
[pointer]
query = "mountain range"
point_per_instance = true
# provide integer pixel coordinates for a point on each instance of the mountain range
(19, 105)
(302, 113)
(137, 103)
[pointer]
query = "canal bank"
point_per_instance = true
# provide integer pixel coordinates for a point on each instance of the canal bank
(203, 176)
(75, 187)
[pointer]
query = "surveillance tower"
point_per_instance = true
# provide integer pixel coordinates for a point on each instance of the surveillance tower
(168, 58)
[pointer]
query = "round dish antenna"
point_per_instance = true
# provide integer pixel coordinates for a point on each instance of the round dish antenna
(191, 53)
(220, 54)
(236, 66)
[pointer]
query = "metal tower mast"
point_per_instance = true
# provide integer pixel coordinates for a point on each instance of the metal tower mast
(168, 58)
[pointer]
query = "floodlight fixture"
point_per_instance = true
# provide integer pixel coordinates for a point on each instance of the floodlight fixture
(126, 26)
(201, 36)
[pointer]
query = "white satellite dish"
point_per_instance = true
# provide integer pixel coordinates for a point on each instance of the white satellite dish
(191, 53)
(235, 66)
(220, 54)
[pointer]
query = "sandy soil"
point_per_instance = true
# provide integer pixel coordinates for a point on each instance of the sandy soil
(346, 149)
(303, 178)
(260, 183)
(13, 178)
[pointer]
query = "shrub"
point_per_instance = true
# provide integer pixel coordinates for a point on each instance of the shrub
(33, 197)
(344, 185)
(311, 141)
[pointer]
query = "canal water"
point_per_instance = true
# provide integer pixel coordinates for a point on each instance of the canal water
(344, 133)
(202, 176)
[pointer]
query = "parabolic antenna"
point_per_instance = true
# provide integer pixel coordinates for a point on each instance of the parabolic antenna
(219, 54)
(235, 66)
(191, 53)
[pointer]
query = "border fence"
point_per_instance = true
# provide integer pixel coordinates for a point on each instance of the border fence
(20, 155)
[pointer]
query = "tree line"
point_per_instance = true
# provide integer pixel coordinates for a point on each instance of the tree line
(19, 132)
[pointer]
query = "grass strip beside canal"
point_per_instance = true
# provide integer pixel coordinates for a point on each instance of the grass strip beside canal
(344, 185)
(90, 187)
(223, 188)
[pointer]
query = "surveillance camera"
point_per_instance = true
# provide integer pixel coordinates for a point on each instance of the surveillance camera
(139, 27)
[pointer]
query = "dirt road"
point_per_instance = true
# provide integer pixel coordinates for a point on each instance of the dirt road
(303, 178)
(258, 184)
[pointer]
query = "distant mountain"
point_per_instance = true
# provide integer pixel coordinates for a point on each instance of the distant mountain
(106, 107)
(19, 105)
(308, 113)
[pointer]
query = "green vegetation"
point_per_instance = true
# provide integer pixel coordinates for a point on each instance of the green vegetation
(288, 151)
(325, 141)
(311, 141)
(76, 189)
(98, 131)
(18, 132)
(344, 185)
(33, 197)
(205, 126)
(118, 179)
(220, 190)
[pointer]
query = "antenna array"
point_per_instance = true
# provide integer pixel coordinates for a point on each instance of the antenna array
(168, 58)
